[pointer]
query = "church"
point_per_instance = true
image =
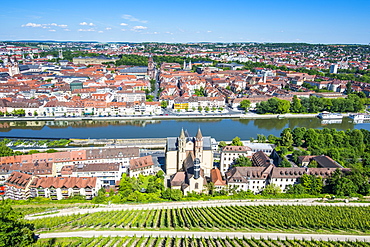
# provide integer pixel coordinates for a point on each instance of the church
(188, 161)
(182, 150)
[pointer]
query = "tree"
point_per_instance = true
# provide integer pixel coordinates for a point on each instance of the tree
(345, 187)
(149, 98)
(160, 174)
(206, 108)
(199, 92)
(285, 163)
(245, 104)
(261, 138)
(222, 144)
(296, 106)
(5, 150)
(349, 88)
(242, 161)
(172, 194)
(296, 189)
(211, 188)
(283, 106)
(200, 108)
(164, 104)
(298, 135)
(312, 184)
(271, 189)
(311, 138)
(287, 138)
(236, 142)
(125, 186)
(100, 198)
(272, 139)
(14, 231)
(135, 196)
(313, 164)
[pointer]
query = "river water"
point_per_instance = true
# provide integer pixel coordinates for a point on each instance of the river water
(221, 129)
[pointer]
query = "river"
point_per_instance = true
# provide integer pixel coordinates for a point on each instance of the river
(221, 129)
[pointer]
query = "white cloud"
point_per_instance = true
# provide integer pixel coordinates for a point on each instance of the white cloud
(52, 30)
(123, 24)
(87, 24)
(123, 29)
(131, 18)
(100, 32)
(108, 28)
(67, 29)
(86, 30)
(30, 24)
(209, 31)
(139, 28)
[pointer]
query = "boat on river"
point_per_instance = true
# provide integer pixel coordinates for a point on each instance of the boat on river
(360, 116)
(329, 115)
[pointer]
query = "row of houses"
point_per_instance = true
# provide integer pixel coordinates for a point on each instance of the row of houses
(129, 103)
(83, 179)
(256, 179)
(237, 179)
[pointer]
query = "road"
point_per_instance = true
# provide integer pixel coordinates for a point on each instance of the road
(165, 205)
(256, 235)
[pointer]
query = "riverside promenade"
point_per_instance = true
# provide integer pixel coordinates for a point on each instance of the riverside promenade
(165, 117)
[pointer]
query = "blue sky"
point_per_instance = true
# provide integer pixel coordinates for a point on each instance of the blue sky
(324, 21)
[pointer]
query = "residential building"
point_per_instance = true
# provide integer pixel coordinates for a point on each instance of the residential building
(217, 180)
(142, 166)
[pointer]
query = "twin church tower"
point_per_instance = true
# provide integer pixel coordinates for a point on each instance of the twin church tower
(185, 152)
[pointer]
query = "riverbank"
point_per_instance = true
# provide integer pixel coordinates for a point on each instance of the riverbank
(168, 117)
(139, 128)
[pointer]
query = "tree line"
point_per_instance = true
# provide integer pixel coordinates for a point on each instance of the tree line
(313, 104)
(350, 148)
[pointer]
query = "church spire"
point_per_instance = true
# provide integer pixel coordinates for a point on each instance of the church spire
(199, 135)
(182, 134)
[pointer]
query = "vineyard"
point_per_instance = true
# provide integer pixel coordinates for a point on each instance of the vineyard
(195, 242)
(45, 208)
(269, 218)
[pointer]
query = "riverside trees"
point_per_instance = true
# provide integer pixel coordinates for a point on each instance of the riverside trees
(353, 103)
(349, 148)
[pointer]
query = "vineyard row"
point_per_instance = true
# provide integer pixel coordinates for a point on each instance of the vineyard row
(246, 218)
